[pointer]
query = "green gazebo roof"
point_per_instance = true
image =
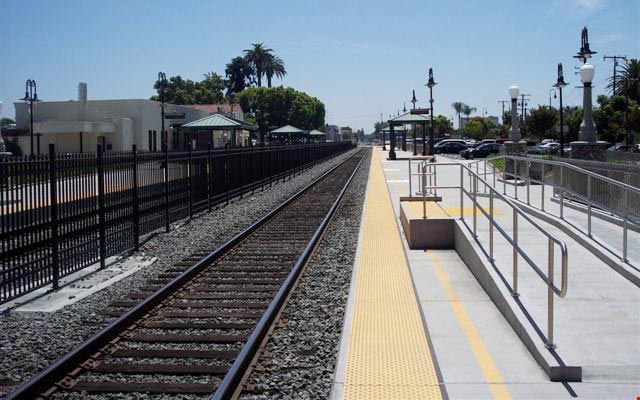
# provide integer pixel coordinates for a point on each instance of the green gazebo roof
(287, 129)
(220, 122)
(408, 118)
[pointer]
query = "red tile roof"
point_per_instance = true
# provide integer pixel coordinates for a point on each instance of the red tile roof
(215, 108)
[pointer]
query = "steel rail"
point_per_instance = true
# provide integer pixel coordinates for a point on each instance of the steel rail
(52, 374)
(231, 381)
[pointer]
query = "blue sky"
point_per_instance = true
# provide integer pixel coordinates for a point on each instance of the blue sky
(361, 58)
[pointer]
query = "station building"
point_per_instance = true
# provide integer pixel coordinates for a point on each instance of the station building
(77, 126)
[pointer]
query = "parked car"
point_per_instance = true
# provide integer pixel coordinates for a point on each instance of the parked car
(488, 141)
(481, 151)
(471, 142)
(445, 141)
(549, 148)
(450, 148)
(623, 147)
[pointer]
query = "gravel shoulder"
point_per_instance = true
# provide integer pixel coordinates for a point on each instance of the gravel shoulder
(301, 355)
(29, 342)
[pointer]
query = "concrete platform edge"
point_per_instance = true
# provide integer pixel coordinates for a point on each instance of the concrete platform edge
(552, 364)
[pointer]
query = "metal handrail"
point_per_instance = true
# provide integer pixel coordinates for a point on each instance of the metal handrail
(589, 176)
(517, 250)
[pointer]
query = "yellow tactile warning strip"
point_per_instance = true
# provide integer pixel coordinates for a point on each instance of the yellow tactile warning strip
(494, 379)
(435, 210)
(388, 356)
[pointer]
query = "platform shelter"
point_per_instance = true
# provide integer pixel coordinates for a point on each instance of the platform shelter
(219, 131)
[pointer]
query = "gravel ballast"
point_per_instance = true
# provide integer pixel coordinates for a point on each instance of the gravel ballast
(29, 342)
(301, 355)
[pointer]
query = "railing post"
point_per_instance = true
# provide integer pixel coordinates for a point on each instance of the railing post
(561, 192)
(461, 193)
(504, 175)
(209, 177)
(515, 254)
(424, 194)
(543, 172)
(189, 188)
(516, 174)
(475, 205)
(101, 215)
(491, 222)
(53, 205)
(528, 164)
(550, 273)
(589, 205)
(625, 258)
(410, 178)
(136, 200)
(167, 222)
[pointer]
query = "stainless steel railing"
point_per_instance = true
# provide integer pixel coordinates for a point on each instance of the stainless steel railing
(471, 191)
(569, 182)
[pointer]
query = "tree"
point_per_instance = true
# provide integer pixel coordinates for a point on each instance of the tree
(378, 127)
(274, 107)
(573, 119)
(458, 106)
(478, 128)
(541, 121)
(629, 82)
(180, 91)
(239, 74)
(274, 66)
(441, 125)
(258, 56)
(6, 121)
(506, 118)
(609, 117)
(466, 110)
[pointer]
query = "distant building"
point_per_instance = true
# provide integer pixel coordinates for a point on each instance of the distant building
(333, 133)
(346, 133)
(229, 110)
(79, 125)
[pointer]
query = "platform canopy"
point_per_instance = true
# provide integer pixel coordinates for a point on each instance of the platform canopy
(219, 122)
(408, 118)
(316, 132)
(395, 128)
(287, 130)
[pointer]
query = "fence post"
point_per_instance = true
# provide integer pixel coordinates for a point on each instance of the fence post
(165, 148)
(209, 177)
(53, 205)
(189, 160)
(226, 174)
(101, 216)
(136, 200)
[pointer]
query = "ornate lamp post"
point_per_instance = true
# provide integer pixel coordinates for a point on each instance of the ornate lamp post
(587, 147)
(560, 83)
(514, 134)
(430, 84)
(162, 87)
(31, 95)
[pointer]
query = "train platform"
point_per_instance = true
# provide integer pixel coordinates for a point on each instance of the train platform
(423, 324)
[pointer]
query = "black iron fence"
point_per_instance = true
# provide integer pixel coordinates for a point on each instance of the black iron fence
(62, 212)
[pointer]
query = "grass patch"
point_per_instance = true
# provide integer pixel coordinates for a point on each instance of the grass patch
(497, 163)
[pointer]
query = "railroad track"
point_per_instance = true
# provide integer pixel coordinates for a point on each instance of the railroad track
(199, 331)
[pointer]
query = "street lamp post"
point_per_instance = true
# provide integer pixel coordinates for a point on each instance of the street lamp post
(514, 134)
(413, 127)
(554, 95)
(587, 147)
(31, 95)
(430, 84)
(162, 86)
(560, 83)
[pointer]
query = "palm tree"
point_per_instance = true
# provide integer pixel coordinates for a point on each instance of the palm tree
(629, 83)
(466, 110)
(258, 56)
(458, 106)
(239, 75)
(274, 66)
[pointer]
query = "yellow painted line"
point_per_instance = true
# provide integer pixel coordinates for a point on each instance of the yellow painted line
(435, 210)
(388, 356)
(496, 384)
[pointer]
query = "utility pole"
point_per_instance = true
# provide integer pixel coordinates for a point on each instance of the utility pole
(523, 104)
(615, 68)
(503, 103)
